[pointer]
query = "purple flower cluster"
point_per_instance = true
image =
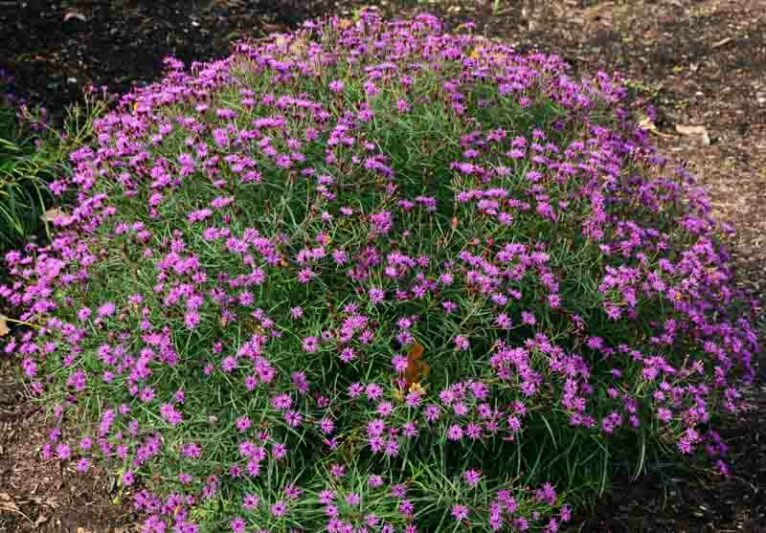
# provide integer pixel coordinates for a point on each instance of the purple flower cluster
(372, 276)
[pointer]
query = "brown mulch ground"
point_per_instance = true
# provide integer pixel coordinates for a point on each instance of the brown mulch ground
(703, 62)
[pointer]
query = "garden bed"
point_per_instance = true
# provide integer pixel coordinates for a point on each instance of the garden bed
(676, 53)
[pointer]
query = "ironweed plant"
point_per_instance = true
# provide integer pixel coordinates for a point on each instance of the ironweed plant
(371, 276)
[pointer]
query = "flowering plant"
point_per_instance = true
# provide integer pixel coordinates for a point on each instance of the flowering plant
(371, 276)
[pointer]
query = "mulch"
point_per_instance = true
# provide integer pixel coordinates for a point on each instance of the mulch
(702, 62)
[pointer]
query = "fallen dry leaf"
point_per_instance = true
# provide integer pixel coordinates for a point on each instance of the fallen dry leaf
(647, 124)
(267, 27)
(7, 505)
(7, 502)
(696, 131)
(4, 330)
(52, 214)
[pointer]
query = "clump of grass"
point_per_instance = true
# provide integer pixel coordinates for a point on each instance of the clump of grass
(371, 276)
(33, 154)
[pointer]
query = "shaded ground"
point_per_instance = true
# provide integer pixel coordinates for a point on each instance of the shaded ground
(702, 62)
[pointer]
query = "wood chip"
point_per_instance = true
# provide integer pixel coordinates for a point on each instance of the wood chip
(76, 15)
(694, 131)
(722, 42)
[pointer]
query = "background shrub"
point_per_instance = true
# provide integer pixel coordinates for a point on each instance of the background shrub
(373, 275)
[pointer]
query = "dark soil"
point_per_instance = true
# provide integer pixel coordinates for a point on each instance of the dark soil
(702, 62)
(54, 49)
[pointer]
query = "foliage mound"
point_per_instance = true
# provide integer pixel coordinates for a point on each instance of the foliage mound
(371, 276)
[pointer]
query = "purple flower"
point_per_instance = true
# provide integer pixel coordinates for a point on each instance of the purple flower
(250, 502)
(310, 344)
(336, 86)
(169, 413)
(376, 295)
(278, 509)
(381, 223)
(106, 310)
(462, 343)
(243, 424)
(337, 470)
(237, 525)
(459, 512)
(546, 494)
(472, 477)
(454, 432)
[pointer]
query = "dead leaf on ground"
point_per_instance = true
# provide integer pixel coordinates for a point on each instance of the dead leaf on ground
(7, 503)
(274, 28)
(694, 131)
(647, 124)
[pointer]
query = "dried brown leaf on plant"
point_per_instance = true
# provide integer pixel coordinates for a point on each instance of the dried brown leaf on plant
(345, 24)
(4, 330)
(51, 215)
